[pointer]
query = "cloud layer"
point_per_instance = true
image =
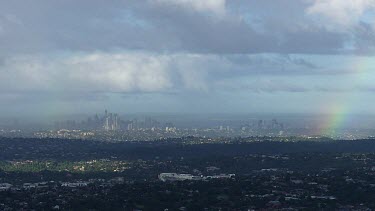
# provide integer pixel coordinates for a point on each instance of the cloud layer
(214, 26)
(188, 48)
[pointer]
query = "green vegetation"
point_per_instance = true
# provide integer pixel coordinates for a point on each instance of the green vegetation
(69, 166)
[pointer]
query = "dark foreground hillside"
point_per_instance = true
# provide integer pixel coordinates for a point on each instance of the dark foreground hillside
(45, 174)
(19, 148)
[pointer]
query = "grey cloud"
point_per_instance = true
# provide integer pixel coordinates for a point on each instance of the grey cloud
(143, 72)
(269, 64)
(366, 88)
(364, 42)
(303, 62)
(277, 88)
(11, 98)
(332, 89)
(94, 25)
(262, 85)
(272, 86)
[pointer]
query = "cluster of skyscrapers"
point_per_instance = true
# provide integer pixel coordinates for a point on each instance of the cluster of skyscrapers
(107, 122)
(111, 121)
(273, 125)
(263, 125)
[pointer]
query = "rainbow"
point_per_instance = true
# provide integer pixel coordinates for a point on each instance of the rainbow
(338, 110)
(334, 119)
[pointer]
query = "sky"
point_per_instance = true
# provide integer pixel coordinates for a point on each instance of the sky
(188, 56)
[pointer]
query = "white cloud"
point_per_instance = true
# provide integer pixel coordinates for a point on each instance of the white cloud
(340, 13)
(214, 6)
(87, 72)
(132, 72)
(121, 72)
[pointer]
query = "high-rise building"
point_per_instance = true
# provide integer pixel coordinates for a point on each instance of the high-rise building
(115, 122)
(106, 123)
(260, 124)
(111, 121)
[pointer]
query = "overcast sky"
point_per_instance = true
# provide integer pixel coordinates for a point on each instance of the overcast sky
(192, 56)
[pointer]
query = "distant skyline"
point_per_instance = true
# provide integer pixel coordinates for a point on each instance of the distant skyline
(190, 56)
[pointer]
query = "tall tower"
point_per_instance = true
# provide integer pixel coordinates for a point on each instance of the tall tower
(115, 123)
(106, 124)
